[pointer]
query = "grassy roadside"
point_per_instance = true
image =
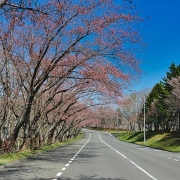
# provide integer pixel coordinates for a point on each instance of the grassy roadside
(169, 141)
(7, 158)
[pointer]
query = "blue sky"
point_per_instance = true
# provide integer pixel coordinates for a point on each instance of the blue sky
(162, 35)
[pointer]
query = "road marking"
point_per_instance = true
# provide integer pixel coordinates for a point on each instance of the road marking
(169, 158)
(176, 159)
(128, 159)
(59, 174)
(178, 156)
(63, 169)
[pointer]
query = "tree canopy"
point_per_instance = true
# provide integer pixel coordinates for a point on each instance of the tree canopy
(60, 59)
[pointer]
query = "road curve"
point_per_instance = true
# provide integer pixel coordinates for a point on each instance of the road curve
(98, 156)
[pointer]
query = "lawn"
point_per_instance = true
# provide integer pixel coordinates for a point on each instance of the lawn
(169, 141)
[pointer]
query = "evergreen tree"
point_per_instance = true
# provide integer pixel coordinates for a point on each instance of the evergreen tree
(174, 71)
(159, 101)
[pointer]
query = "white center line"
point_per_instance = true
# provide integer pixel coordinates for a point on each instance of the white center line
(59, 174)
(63, 169)
(176, 159)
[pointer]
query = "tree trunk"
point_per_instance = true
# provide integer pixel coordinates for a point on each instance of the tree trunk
(25, 144)
(23, 119)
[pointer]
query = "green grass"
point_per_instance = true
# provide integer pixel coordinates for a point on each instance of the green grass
(110, 130)
(161, 140)
(7, 158)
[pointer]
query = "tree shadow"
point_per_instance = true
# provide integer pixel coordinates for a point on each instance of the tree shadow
(26, 168)
(135, 135)
(83, 177)
(21, 172)
(172, 139)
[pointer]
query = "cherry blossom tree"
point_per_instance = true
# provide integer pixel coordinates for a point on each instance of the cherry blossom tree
(90, 42)
(175, 84)
(174, 100)
(129, 113)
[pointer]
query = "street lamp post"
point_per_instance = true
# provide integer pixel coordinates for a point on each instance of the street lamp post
(144, 122)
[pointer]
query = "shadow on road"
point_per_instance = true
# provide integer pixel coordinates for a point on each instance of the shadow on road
(34, 167)
(82, 177)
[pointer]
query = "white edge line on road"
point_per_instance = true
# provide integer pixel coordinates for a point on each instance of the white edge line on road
(128, 159)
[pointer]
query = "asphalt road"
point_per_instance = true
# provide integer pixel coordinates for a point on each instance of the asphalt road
(98, 156)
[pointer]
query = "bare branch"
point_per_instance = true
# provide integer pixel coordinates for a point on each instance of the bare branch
(2, 3)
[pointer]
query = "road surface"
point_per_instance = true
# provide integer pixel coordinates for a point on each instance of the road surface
(97, 156)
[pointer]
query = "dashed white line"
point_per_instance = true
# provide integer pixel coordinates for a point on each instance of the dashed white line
(128, 159)
(59, 174)
(171, 158)
(63, 169)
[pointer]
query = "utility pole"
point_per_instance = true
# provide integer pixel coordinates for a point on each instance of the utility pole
(144, 122)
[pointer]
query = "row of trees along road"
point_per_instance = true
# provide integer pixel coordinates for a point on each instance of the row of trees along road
(59, 60)
(162, 105)
(163, 102)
